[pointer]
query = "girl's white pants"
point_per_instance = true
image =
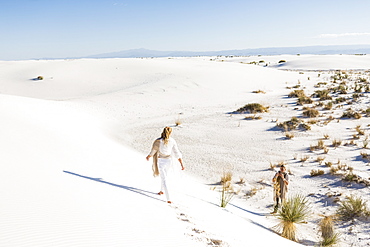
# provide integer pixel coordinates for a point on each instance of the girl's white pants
(163, 167)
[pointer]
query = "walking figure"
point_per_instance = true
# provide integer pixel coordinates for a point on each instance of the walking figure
(163, 150)
(281, 181)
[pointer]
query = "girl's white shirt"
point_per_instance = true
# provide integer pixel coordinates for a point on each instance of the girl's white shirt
(170, 148)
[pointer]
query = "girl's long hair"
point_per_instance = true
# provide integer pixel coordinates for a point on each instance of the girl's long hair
(166, 134)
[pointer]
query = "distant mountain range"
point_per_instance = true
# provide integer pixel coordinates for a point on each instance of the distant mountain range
(320, 50)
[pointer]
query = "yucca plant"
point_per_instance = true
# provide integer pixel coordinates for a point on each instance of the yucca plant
(294, 210)
(328, 235)
(352, 207)
(331, 241)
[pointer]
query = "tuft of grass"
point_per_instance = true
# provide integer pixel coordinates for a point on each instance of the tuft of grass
(294, 210)
(252, 108)
(352, 207)
(336, 142)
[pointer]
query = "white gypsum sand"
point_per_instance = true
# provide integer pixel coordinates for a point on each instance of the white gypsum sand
(74, 170)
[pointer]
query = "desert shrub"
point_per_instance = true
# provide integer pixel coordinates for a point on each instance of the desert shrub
(282, 61)
(340, 100)
(294, 210)
(328, 106)
(291, 124)
(322, 94)
(305, 126)
(352, 207)
(297, 93)
(367, 112)
(351, 114)
(341, 89)
(355, 96)
(326, 136)
(310, 112)
(252, 108)
(304, 100)
(316, 172)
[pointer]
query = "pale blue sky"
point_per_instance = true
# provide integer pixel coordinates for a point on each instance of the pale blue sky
(67, 28)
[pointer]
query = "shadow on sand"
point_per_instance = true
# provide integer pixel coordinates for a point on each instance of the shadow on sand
(132, 189)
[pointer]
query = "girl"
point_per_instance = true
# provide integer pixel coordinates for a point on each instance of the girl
(163, 149)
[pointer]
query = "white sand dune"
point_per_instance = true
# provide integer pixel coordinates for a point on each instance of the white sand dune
(74, 170)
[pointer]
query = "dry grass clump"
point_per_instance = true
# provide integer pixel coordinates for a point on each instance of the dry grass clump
(322, 94)
(336, 143)
(289, 135)
(252, 108)
(320, 145)
(253, 117)
(294, 210)
(352, 207)
(297, 93)
(304, 100)
(328, 106)
(359, 130)
(318, 172)
(365, 156)
(320, 159)
(259, 91)
(304, 158)
(310, 112)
